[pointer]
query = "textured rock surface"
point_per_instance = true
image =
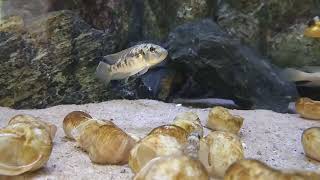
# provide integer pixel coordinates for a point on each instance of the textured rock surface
(274, 27)
(292, 49)
(270, 137)
(160, 16)
(223, 65)
(49, 58)
(52, 61)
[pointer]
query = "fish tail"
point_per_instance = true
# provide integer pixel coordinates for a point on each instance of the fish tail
(292, 74)
(9, 170)
(103, 72)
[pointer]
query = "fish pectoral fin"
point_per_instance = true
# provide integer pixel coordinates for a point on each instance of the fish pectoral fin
(103, 73)
(143, 71)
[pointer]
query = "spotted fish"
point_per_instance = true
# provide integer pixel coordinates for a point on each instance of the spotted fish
(135, 60)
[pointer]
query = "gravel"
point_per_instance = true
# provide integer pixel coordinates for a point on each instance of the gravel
(271, 137)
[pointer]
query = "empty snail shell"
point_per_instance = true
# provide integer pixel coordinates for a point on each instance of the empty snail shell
(104, 141)
(218, 150)
(250, 169)
(182, 166)
(220, 119)
(171, 130)
(162, 141)
(25, 145)
(311, 142)
(173, 167)
(308, 108)
(189, 121)
(72, 120)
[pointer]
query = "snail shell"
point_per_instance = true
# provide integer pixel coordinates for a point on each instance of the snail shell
(72, 120)
(308, 108)
(173, 167)
(255, 170)
(220, 119)
(25, 145)
(171, 130)
(181, 166)
(152, 146)
(104, 141)
(219, 150)
(311, 142)
(24, 118)
(189, 121)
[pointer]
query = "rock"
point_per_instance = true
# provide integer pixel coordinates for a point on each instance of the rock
(292, 49)
(109, 15)
(31, 9)
(52, 61)
(202, 50)
(274, 27)
(160, 16)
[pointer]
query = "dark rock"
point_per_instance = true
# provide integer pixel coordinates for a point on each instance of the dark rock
(209, 55)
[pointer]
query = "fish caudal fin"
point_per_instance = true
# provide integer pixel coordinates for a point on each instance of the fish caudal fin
(291, 74)
(103, 72)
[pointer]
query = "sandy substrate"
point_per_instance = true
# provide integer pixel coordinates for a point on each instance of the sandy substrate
(268, 136)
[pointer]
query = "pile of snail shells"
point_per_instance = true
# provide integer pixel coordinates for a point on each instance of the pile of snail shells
(308, 108)
(220, 119)
(311, 142)
(165, 140)
(103, 140)
(183, 166)
(250, 169)
(162, 141)
(25, 144)
(219, 150)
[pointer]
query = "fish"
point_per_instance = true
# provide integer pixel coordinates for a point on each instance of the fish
(136, 60)
(307, 77)
(313, 29)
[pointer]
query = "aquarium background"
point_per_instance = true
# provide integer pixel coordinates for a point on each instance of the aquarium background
(229, 49)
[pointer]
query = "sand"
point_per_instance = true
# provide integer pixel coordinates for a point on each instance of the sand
(268, 136)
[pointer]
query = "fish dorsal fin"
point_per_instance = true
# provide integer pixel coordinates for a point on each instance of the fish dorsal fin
(116, 57)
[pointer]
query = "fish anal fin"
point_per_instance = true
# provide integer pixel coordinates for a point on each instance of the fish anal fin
(126, 80)
(143, 71)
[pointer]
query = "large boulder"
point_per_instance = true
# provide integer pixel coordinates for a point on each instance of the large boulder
(52, 61)
(221, 66)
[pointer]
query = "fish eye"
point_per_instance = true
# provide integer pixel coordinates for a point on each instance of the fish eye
(152, 49)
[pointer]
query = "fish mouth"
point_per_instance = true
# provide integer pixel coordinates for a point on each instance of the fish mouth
(164, 55)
